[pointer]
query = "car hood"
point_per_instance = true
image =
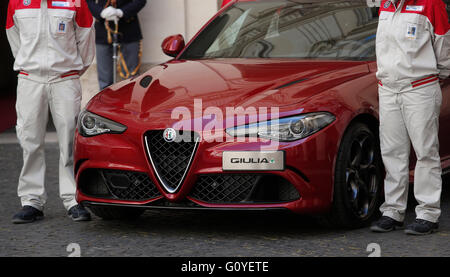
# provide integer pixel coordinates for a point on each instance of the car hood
(181, 91)
(230, 83)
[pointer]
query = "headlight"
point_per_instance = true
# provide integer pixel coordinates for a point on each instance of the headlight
(90, 124)
(285, 129)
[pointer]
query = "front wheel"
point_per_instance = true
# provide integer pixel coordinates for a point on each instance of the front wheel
(358, 179)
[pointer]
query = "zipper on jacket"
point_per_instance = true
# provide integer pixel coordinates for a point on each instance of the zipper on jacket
(394, 19)
(45, 33)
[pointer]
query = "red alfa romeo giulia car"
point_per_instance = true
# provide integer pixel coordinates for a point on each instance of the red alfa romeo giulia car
(272, 105)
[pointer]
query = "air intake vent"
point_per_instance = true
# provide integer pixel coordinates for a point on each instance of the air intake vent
(128, 185)
(243, 189)
(117, 184)
(224, 188)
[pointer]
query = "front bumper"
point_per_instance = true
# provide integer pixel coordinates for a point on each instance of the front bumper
(309, 165)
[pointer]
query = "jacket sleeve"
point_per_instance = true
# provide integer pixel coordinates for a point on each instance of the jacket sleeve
(96, 8)
(85, 35)
(441, 38)
(225, 2)
(12, 31)
(132, 8)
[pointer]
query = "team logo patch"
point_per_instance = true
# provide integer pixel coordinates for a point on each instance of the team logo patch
(61, 4)
(26, 2)
(410, 8)
(387, 4)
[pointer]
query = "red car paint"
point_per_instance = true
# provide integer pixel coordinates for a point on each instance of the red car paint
(173, 45)
(347, 89)
(328, 83)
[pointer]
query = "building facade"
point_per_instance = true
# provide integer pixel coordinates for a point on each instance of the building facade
(162, 18)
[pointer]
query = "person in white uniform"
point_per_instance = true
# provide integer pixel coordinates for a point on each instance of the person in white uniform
(53, 42)
(413, 53)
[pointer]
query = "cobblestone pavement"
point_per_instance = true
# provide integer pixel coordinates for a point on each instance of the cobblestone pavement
(189, 233)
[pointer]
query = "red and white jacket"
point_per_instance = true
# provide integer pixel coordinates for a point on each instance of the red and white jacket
(51, 40)
(413, 43)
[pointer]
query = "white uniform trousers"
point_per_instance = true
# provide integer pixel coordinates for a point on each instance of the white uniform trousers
(32, 106)
(406, 117)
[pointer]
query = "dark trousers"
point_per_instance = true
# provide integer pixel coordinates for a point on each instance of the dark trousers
(105, 62)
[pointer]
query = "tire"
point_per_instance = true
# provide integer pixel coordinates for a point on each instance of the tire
(110, 213)
(358, 179)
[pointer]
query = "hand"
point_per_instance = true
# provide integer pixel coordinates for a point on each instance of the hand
(112, 18)
(119, 13)
(108, 12)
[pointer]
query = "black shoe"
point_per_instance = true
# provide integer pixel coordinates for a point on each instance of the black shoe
(421, 227)
(386, 224)
(79, 213)
(28, 214)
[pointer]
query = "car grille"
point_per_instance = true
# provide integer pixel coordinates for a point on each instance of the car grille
(128, 185)
(171, 160)
(224, 188)
(243, 188)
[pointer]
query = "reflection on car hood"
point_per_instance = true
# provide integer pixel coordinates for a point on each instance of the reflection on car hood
(230, 83)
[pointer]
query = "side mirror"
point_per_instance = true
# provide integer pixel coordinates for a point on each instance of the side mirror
(173, 45)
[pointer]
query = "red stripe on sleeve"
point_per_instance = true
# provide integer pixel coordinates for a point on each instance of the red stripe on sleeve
(11, 12)
(84, 17)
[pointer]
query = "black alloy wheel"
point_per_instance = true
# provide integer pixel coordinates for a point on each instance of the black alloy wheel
(358, 179)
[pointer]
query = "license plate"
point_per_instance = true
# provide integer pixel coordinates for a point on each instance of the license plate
(253, 160)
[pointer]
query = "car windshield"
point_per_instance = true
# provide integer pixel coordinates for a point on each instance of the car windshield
(343, 30)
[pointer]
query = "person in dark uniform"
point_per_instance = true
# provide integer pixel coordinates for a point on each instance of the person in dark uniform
(125, 13)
